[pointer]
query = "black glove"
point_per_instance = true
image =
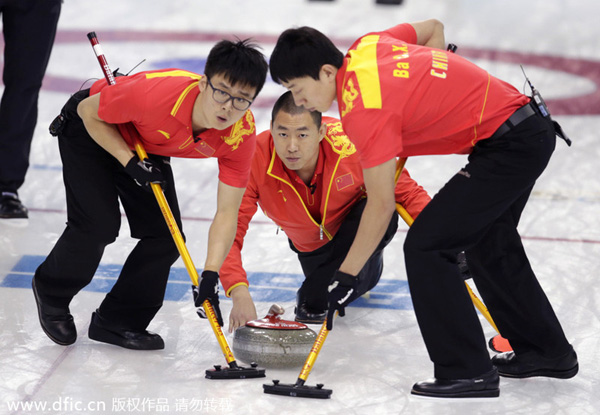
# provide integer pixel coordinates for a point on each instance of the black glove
(461, 259)
(145, 172)
(340, 292)
(208, 290)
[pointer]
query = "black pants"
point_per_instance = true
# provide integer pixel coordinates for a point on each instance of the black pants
(29, 27)
(95, 182)
(478, 211)
(320, 265)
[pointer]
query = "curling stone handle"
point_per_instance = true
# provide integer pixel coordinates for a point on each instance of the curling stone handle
(275, 310)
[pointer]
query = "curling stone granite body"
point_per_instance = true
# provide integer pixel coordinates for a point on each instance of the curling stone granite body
(272, 341)
(273, 347)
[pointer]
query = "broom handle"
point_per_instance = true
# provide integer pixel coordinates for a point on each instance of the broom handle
(313, 354)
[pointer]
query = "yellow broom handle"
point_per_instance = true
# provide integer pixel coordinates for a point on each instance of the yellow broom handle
(185, 256)
(314, 352)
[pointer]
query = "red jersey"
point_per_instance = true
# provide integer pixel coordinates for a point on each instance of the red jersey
(397, 98)
(338, 186)
(158, 104)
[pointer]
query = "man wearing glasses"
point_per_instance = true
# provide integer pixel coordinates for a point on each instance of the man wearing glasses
(174, 113)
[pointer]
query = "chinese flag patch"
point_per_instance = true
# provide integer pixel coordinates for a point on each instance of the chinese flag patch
(205, 149)
(344, 181)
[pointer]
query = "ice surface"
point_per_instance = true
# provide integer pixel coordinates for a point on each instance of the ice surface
(375, 353)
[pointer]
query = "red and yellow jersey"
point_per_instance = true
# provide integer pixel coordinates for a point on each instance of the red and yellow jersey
(158, 105)
(339, 185)
(397, 98)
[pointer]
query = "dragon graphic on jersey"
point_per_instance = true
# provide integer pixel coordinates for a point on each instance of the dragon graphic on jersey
(243, 127)
(340, 142)
(348, 96)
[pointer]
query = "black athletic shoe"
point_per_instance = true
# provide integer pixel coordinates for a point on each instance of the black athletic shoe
(529, 364)
(308, 315)
(57, 322)
(11, 207)
(103, 331)
(484, 386)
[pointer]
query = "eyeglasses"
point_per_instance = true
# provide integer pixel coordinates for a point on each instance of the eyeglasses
(222, 97)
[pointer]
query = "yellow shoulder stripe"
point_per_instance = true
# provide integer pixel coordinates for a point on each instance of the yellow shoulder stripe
(176, 72)
(181, 73)
(363, 62)
(182, 97)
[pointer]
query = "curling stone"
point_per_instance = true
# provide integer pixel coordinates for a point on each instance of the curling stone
(273, 342)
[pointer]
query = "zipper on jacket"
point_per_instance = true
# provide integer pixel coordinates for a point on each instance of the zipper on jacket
(322, 229)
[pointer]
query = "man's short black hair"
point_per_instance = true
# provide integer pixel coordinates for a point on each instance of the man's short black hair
(239, 62)
(286, 104)
(301, 52)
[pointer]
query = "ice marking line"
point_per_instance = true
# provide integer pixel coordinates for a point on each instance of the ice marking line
(577, 105)
(265, 222)
(46, 167)
(270, 287)
(390, 293)
(99, 277)
(46, 376)
(552, 239)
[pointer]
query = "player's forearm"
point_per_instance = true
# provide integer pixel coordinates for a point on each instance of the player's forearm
(220, 238)
(106, 135)
(223, 228)
(379, 181)
(430, 33)
(373, 224)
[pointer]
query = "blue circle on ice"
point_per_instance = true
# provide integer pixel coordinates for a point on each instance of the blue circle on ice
(195, 65)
